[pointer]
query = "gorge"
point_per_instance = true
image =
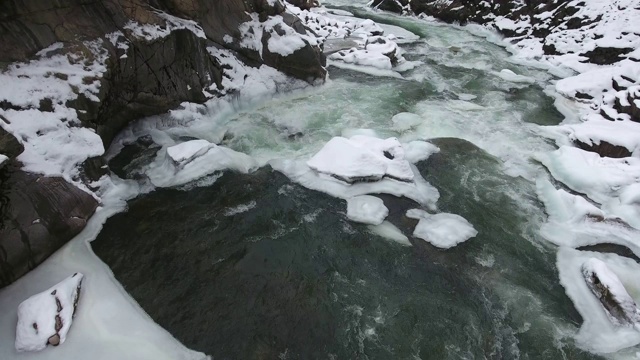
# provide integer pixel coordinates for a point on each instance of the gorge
(191, 178)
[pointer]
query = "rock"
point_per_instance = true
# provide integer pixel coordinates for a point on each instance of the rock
(45, 318)
(153, 56)
(605, 55)
(604, 149)
(304, 4)
(614, 298)
(362, 159)
(38, 215)
(9, 146)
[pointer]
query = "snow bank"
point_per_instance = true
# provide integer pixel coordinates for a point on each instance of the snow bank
(366, 209)
(46, 318)
(441, 230)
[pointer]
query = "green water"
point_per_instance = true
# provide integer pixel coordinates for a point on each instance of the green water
(293, 278)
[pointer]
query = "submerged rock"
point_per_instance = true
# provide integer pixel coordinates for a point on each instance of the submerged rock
(616, 301)
(45, 318)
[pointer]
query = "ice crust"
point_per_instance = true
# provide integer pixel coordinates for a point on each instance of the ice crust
(366, 209)
(362, 158)
(441, 230)
(37, 315)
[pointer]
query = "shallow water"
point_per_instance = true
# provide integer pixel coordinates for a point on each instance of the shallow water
(257, 267)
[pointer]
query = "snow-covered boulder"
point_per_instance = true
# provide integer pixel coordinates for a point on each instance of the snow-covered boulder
(366, 209)
(46, 318)
(441, 230)
(187, 151)
(362, 159)
(616, 301)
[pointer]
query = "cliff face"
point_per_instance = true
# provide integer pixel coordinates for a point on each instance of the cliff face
(74, 69)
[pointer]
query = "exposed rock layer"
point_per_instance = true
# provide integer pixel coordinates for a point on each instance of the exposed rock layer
(150, 75)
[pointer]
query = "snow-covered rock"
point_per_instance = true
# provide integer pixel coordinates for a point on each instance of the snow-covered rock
(366, 209)
(45, 318)
(441, 230)
(191, 160)
(605, 285)
(362, 158)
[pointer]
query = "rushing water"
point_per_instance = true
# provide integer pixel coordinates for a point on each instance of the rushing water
(257, 267)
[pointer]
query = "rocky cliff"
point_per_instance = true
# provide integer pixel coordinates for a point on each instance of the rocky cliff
(75, 72)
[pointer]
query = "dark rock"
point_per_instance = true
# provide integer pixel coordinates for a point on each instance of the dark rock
(605, 149)
(606, 55)
(304, 4)
(606, 287)
(612, 249)
(584, 96)
(389, 5)
(38, 215)
(9, 145)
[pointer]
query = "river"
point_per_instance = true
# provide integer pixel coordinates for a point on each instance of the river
(255, 266)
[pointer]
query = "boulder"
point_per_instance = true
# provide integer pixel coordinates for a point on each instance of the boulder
(45, 318)
(37, 216)
(614, 298)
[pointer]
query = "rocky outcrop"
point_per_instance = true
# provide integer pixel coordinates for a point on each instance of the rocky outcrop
(38, 215)
(614, 298)
(121, 60)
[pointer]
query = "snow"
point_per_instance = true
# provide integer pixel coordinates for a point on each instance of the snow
(202, 160)
(38, 315)
(187, 151)
(441, 230)
(597, 333)
(595, 130)
(282, 38)
(108, 324)
(54, 141)
(362, 158)
(3, 159)
(418, 190)
(606, 278)
(375, 45)
(601, 179)
(366, 209)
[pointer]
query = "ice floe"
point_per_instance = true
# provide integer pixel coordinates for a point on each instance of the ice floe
(366, 209)
(362, 165)
(362, 158)
(441, 230)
